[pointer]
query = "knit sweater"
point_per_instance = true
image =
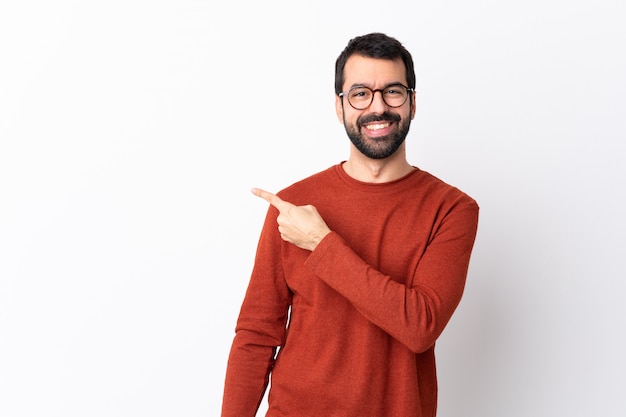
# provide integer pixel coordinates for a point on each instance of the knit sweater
(349, 329)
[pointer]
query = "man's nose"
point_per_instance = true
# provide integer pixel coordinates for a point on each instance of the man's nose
(378, 104)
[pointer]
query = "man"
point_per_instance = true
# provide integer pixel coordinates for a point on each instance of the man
(359, 267)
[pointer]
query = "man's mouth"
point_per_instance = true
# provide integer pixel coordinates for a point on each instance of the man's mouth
(377, 122)
(377, 126)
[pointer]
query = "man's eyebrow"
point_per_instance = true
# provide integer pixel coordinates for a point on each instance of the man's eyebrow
(357, 85)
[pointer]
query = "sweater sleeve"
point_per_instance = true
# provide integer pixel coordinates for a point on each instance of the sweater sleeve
(416, 314)
(260, 329)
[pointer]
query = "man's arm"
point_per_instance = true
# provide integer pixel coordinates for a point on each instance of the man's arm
(260, 328)
(414, 315)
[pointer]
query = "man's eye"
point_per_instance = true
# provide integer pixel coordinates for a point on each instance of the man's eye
(360, 94)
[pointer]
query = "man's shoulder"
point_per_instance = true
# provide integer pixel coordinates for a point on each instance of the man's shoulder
(433, 185)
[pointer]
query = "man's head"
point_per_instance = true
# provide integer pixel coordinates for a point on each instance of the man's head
(374, 82)
(374, 45)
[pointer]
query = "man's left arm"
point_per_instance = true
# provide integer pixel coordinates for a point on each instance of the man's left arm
(415, 315)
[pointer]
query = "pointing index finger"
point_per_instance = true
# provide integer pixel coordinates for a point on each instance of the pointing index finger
(273, 199)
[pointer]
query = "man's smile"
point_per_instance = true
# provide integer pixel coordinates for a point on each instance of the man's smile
(378, 128)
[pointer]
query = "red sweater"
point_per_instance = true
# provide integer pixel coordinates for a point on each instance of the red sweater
(356, 319)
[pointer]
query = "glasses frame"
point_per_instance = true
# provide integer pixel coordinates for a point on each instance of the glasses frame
(408, 93)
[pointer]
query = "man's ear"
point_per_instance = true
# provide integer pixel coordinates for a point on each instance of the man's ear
(413, 103)
(339, 108)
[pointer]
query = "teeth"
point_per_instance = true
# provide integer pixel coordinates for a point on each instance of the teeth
(378, 126)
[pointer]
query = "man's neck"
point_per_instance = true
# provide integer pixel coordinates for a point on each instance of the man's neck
(365, 169)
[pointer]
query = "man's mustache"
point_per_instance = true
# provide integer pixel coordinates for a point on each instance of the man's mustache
(383, 117)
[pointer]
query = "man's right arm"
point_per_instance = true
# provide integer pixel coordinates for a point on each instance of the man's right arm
(261, 327)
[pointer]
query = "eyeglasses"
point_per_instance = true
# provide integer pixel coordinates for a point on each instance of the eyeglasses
(360, 98)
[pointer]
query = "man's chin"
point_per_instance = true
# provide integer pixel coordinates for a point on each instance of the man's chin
(377, 152)
(380, 139)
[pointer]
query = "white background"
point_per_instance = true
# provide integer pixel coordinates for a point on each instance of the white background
(131, 132)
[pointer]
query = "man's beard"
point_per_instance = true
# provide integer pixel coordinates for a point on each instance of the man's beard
(383, 146)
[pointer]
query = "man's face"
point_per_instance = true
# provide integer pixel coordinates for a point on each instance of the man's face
(378, 130)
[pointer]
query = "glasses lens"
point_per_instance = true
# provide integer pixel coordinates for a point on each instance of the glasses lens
(395, 95)
(360, 97)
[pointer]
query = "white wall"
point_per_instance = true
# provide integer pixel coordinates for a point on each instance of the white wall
(131, 132)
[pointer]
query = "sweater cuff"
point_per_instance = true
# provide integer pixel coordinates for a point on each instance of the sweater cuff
(328, 243)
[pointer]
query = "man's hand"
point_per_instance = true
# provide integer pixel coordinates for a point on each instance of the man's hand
(301, 225)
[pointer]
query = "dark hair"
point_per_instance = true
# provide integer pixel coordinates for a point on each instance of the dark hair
(374, 45)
